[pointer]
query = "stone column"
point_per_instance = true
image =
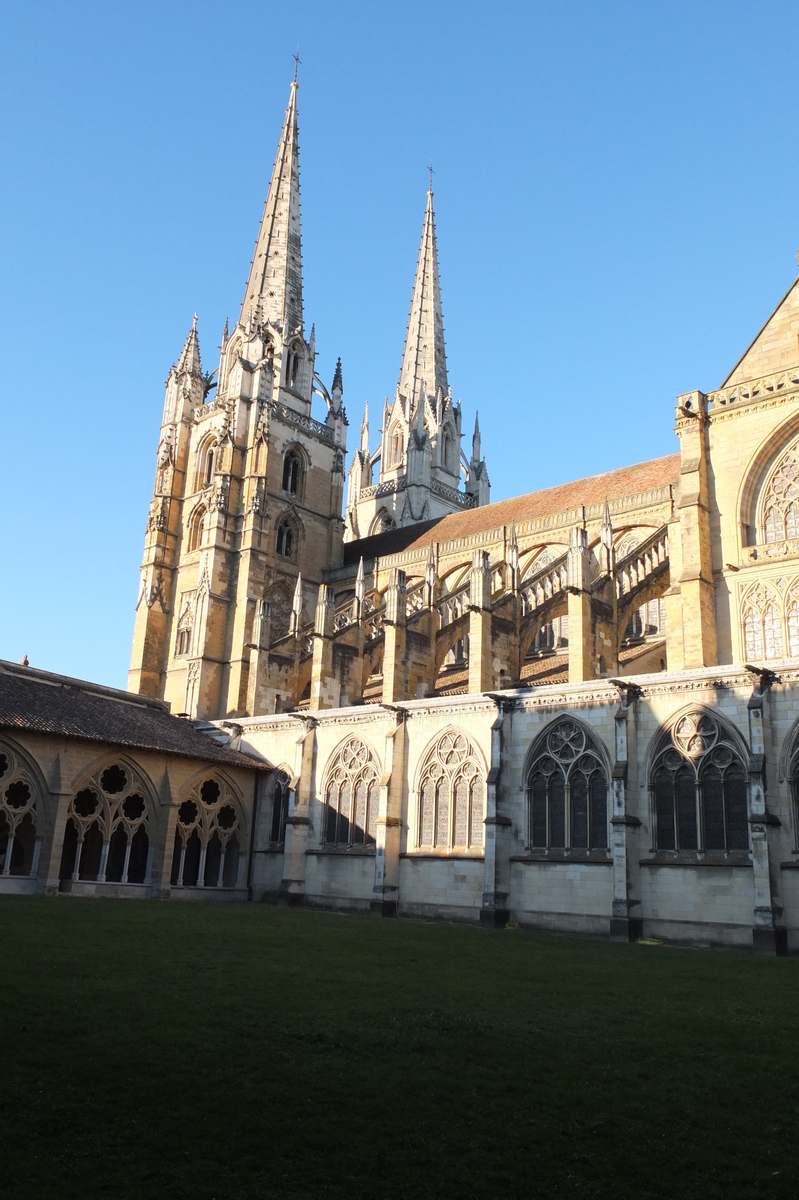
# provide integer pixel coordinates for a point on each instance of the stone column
(385, 894)
(578, 582)
(298, 821)
(768, 931)
(324, 688)
(481, 668)
(625, 921)
(394, 662)
(495, 910)
(696, 576)
(53, 842)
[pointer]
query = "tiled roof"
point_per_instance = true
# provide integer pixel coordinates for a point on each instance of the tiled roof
(612, 485)
(34, 701)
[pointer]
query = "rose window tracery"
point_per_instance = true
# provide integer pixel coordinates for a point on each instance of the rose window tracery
(567, 791)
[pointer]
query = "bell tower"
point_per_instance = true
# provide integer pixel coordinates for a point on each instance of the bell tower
(246, 512)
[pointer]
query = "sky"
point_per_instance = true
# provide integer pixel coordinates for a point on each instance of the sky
(616, 206)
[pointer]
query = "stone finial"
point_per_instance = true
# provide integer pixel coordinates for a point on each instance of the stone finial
(395, 597)
(365, 428)
(480, 581)
(296, 608)
(323, 618)
(476, 446)
(360, 586)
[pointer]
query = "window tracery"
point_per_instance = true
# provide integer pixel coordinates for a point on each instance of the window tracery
(292, 469)
(207, 850)
(106, 837)
(197, 528)
(396, 446)
(567, 790)
(286, 539)
(280, 808)
(763, 624)
(18, 834)
(451, 795)
(779, 506)
(352, 796)
(698, 784)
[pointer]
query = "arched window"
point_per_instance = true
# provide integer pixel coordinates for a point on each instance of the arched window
(197, 528)
(291, 473)
(567, 791)
(280, 808)
(207, 467)
(762, 624)
(19, 845)
(352, 796)
(698, 785)
(286, 544)
(779, 504)
(206, 851)
(451, 795)
(292, 367)
(106, 837)
(396, 446)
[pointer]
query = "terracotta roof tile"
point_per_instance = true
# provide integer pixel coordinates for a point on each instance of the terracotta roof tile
(34, 701)
(594, 489)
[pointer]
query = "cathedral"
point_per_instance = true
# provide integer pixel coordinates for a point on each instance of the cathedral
(577, 709)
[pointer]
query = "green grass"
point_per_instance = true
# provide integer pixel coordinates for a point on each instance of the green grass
(239, 1051)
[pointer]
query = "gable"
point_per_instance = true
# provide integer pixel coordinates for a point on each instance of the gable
(776, 347)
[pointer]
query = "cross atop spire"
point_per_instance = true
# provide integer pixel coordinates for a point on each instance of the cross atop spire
(424, 362)
(275, 282)
(297, 63)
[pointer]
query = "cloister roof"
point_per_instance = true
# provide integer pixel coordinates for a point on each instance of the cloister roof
(594, 489)
(34, 701)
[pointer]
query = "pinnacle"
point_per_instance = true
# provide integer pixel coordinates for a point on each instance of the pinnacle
(424, 355)
(189, 360)
(337, 378)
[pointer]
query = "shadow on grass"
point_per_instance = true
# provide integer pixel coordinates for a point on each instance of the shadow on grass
(238, 1052)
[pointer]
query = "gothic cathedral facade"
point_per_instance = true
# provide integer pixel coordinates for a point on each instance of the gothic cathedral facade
(578, 708)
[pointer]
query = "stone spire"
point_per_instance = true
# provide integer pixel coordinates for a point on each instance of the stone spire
(365, 429)
(275, 283)
(189, 361)
(424, 361)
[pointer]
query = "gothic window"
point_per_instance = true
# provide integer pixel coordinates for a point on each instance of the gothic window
(567, 790)
(292, 367)
(451, 795)
(396, 446)
(207, 474)
(207, 851)
(196, 528)
(286, 545)
(291, 473)
(352, 796)
(280, 808)
(19, 845)
(106, 837)
(698, 785)
(779, 504)
(185, 623)
(762, 624)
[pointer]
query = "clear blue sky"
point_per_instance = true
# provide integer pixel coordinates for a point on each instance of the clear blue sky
(616, 203)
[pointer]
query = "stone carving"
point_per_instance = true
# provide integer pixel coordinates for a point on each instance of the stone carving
(451, 795)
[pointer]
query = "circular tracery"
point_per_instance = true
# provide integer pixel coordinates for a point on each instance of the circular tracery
(107, 834)
(206, 849)
(18, 816)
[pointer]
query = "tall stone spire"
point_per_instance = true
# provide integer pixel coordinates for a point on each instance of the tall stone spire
(275, 283)
(189, 360)
(424, 361)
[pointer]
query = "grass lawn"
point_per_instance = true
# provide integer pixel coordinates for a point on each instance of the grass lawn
(239, 1051)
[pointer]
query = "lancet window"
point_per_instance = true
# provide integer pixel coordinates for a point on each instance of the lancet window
(451, 795)
(107, 837)
(207, 851)
(779, 506)
(197, 528)
(567, 791)
(396, 446)
(19, 845)
(291, 473)
(280, 808)
(286, 542)
(352, 796)
(698, 785)
(292, 367)
(766, 629)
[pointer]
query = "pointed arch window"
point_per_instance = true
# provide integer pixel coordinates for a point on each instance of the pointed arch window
(292, 471)
(567, 791)
(779, 504)
(763, 625)
(207, 851)
(352, 796)
(286, 542)
(197, 528)
(107, 834)
(20, 841)
(280, 808)
(451, 796)
(396, 446)
(698, 785)
(292, 367)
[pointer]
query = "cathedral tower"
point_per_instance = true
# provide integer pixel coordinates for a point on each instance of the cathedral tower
(420, 452)
(246, 511)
